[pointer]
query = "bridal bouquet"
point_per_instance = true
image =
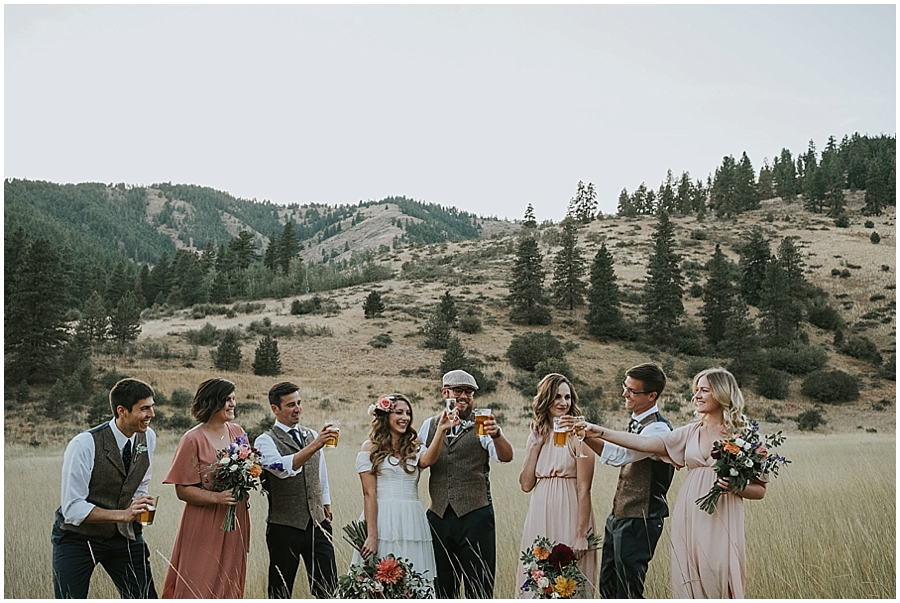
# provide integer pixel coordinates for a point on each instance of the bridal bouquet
(743, 458)
(551, 569)
(385, 577)
(237, 468)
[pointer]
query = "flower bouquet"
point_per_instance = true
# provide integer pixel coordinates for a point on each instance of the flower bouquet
(237, 468)
(380, 577)
(551, 569)
(743, 458)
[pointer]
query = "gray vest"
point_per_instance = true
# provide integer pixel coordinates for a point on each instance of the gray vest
(641, 491)
(460, 477)
(110, 487)
(294, 500)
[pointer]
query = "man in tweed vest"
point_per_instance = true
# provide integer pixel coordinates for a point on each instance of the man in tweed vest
(639, 506)
(299, 520)
(461, 513)
(105, 476)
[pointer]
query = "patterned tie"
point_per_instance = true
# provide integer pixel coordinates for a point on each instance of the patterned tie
(634, 426)
(296, 435)
(126, 456)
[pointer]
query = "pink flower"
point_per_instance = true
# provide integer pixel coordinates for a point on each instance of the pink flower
(244, 452)
(763, 451)
(537, 574)
(384, 404)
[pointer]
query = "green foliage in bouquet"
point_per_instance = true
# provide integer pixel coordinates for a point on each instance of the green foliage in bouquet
(552, 570)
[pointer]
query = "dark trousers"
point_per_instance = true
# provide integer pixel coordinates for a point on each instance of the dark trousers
(126, 561)
(628, 546)
(465, 548)
(286, 545)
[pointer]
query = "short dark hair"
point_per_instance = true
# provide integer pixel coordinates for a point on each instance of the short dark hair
(210, 398)
(281, 389)
(650, 375)
(127, 393)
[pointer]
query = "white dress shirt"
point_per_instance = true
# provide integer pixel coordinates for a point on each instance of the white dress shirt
(78, 463)
(266, 445)
(487, 442)
(616, 455)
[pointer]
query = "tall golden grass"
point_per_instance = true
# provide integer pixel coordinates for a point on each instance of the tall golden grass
(826, 528)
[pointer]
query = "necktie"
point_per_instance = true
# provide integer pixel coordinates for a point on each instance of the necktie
(296, 435)
(634, 426)
(126, 456)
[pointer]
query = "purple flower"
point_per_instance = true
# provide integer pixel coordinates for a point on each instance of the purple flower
(275, 466)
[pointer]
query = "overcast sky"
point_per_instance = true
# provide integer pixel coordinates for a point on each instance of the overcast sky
(486, 108)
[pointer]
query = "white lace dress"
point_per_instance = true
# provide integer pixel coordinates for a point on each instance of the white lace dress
(403, 529)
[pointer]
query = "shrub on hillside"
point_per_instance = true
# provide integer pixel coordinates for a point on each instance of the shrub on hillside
(181, 397)
(526, 350)
(824, 316)
(773, 384)
(888, 369)
(206, 335)
(861, 348)
(830, 387)
(810, 420)
(875, 238)
(842, 221)
(797, 359)
(469, 322)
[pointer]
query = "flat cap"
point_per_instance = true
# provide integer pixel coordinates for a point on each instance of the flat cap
(458, 378)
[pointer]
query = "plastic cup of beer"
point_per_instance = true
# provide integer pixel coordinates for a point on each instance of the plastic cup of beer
(146, 517)
(481, 415)
(335, 425)
(560, 434)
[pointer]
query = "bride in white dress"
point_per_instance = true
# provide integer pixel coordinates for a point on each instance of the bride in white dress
(395, 519)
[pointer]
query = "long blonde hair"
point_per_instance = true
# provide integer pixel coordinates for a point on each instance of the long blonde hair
(382, 441)
(725, 391)
(546, 393)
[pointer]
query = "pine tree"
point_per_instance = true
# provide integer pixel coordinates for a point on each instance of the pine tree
(373, 306)
(120, 282)
(568, 286)
(625, 208)
(765, 183)
(604, 317)
(530, 221)
(724, 189)
(436, 331)
(684, 195)
(526, 297)
(125, 321)
(94, 318)
(270, 259)
(746, 195)
(754, 256)
(739, 340)
(779, 315)
(791, 261)
(227, 356)
(454, 357)
(662, 306)
(447, 308)
(718, 297)
(583, 206)
(835, 202)
(288, 247)
(267, 360)
(667, 194)
(876, 188)
(784, 173)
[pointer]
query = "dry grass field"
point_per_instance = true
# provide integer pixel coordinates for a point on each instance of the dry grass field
(825, 530)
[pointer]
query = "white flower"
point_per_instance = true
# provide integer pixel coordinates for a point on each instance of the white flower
(739, 443)
(733, 472)
(224, 460)
(747, 446)
(372, 409)
(555, 595)
(749, 462)
(543, 582)
(139, 449)
(530, 566)
(234, 468)
(248, 464)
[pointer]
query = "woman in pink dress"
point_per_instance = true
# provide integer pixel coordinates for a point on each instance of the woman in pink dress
(708, 559)
(560, 483)
(207, 562)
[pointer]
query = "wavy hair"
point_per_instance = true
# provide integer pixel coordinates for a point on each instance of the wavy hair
(727, 394)
(546, 393)
(382, 441)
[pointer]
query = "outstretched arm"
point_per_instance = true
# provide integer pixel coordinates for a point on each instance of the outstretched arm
(643, 443)
(584, 477)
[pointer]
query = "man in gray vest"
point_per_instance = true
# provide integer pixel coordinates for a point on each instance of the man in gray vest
(105, 476)
(639, 506)
(461, 513)
(299, 520)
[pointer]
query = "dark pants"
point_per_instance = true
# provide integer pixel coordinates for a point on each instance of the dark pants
(286, 545)
(126, 561)
(628, 546)
(465, 549)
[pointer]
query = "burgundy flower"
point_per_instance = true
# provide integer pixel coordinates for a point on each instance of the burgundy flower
(561, 556)
(716, 453)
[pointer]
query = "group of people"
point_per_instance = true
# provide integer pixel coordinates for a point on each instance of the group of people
(106, 473)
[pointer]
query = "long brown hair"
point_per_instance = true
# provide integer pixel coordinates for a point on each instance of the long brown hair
(546, 393)
(382, 441)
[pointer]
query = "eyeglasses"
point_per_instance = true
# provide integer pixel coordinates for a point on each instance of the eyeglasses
(625, 388)
(460, 391)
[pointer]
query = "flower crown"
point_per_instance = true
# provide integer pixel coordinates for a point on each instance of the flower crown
(384, 404)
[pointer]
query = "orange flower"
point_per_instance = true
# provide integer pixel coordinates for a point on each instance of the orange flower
(549, 590)
(731, 448)
(541, 553)
(565, 587)
(388, 571)
(255, 471)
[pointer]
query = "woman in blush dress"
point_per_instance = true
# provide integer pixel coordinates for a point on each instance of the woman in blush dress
(389, 465)
(708, 559)
(207, 562)
(560, 483)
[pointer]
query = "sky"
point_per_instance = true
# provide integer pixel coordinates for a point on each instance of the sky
(483, 107)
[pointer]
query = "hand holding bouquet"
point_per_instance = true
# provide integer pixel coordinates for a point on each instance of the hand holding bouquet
(742, 459)
(237, 468)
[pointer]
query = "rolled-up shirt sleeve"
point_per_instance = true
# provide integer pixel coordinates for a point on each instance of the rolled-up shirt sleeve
(323, 481)
(616, 455)
(78, 463)
(270, 457)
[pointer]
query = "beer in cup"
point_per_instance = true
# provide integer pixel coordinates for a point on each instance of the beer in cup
(146, 517)
(560, 434)
(335, 425)
(481, 415)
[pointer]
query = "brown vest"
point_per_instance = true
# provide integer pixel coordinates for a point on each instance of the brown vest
(641, 491)
(294, 500)
(110, 487)
(460, 477)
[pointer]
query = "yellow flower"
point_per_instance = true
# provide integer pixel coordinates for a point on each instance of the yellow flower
(565, 587)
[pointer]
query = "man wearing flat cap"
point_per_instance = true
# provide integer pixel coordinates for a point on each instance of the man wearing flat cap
(461, 513)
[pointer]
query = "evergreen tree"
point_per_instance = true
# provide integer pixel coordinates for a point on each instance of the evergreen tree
(754, 256)
(125, 321)
(120, 282)
(739, 340)
(530, 221)
(876, 188)
(159, 282)
(746, 195)
(604, 317)
(267, 359)
(625, 208)
(684, 195)
(583, 205)
(447, 308)
(784, 174)
(791, 261)
(835, 202)
(436, 331)
(779, 315)
(373, 306)
(724, 189)
(94, 318)
(227, 356)
(568, 286)
(288, 247)
(454, 357)
(526, 297)
(662, 305)
(765, 184)
(270, 259)
(667, 194)
(718, 297)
